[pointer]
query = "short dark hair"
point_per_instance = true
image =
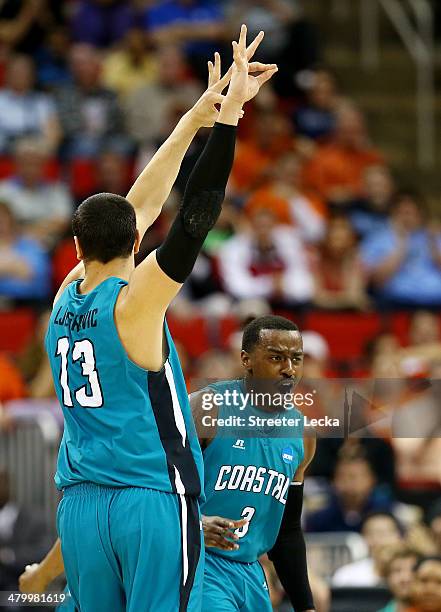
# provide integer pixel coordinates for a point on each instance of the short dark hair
(105, 225)
(410, 194)
(356, 455)
(373, 514)
(251, 332)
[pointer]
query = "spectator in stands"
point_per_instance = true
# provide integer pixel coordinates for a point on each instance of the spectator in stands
(270, 137)
(101, 23)
(149, 108)
(425, 329)
(23, 536)
(369, 214)
(398, 573)
(316, 119)
(336, 170)
(24, 23)
(416, 439)
(273, 17)
(113, 173)
(90, 115)
(11, 381)
(23, 110)
(291, 204)
(213, 365)
(24, 265)
(267, 261)
(339, 276)
(43, 208)
(290, 40)
(404, 259)
(353, 495)
(52, 60)
(426, 588)
(196, 25)
(131, 66)
(34, 363)
(381, 532)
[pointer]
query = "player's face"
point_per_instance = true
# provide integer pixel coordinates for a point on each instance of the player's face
(277, 358)
(427, 591)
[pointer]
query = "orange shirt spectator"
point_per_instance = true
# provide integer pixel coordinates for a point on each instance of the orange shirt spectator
(336, 170)
(288, 201)
(11, 382)
(271, 137)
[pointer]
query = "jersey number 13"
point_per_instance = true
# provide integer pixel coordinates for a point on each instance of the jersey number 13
(89, 395)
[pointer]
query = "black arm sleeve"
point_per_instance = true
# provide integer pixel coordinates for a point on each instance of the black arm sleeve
(201, 205)
(289, 553)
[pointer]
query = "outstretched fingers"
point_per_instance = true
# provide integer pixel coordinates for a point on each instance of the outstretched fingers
(220, 83)
(265, 76)
(251, 50)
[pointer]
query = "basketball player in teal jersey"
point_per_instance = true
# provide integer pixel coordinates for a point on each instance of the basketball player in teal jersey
(248, 471)
(247, 478)
(130, 464)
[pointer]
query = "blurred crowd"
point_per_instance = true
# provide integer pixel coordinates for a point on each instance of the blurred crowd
(314, 222)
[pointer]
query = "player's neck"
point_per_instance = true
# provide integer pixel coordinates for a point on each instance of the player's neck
(97, 272)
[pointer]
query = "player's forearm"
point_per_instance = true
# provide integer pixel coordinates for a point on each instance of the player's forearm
(289, 553)
(201, 205)
(230, 112)
(153, 186)
(52, 565)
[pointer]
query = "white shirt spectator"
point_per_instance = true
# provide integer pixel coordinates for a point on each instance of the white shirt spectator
(43, 202)
(241, 281)
(23, 115)
(357, 574)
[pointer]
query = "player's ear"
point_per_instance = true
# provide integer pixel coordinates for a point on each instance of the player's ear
(246, 361)
(137, 243)
(78, 249)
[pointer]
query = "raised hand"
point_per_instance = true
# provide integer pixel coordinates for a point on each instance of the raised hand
(245, 86)
(205, 111)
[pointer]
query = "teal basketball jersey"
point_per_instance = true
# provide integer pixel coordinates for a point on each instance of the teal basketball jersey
(248, 471)
(123, 425)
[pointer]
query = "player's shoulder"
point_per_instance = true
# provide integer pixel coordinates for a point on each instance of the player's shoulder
(216, 387)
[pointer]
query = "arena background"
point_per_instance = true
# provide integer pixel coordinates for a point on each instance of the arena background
(332, 218)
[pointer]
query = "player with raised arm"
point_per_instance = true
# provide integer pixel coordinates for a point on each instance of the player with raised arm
(129, 462)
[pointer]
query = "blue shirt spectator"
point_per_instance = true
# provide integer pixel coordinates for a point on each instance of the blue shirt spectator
(353, 496)
(101, 23)
(24, 265)
(404, 259)
(194, 22)
(23, 110)
(316, 119)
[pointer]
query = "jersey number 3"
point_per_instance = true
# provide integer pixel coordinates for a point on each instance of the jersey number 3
(247, 513)
(82, 349)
